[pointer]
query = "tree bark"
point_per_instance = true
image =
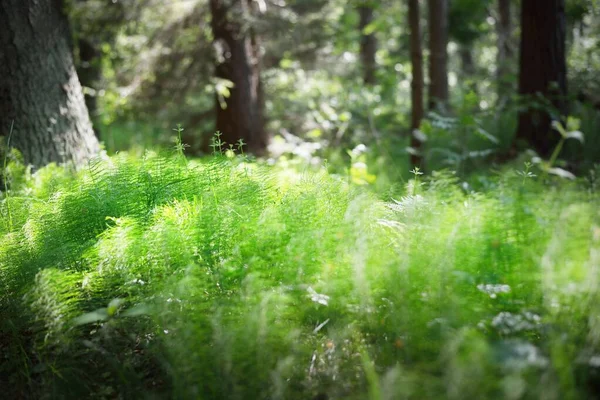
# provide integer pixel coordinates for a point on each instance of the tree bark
(416, 86)
(39, 88)
(239, 62)
(543, 71)
(505, 50)
(368, 44)
(438, 54)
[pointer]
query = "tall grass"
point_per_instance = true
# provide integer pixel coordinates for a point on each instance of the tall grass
(222, 279)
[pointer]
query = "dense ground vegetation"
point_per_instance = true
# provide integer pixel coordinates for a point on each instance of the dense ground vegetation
(371, 199)
(226, 278)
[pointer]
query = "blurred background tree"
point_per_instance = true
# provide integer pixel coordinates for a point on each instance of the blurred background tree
(311, 79)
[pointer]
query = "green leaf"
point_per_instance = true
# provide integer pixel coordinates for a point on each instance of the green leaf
(563, 173)
(371, 28)
(559, 128)
(486, 135)
(114, 306)
(578, 135)
(100, 314)
(573, 124)
(136, 311)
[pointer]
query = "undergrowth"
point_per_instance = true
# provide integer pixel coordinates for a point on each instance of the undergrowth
(223, 279)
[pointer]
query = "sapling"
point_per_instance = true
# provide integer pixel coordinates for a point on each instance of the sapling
(571, 131)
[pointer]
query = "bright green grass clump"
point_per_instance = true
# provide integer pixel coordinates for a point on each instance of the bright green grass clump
(159, 278)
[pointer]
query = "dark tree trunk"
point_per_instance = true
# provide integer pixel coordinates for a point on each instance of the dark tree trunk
(505, 50)
(368, 44)
(543, 71)
(89, 71)
(438, 54)
(467, 62)
(239, 62)
(468, 68)
(39, 88)
(416, 93)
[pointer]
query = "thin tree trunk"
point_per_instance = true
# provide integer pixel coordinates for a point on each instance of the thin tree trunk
(416, 93)
(543, 71)
(438, 54)
(466, 61)
(242, 118)
(368, 44)
(89, 71)
(505, 51)
(468, 67)
(39, 88)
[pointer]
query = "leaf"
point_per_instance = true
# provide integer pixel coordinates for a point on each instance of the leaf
(320, 326)
(486, 135)
(578, 135)
(559, 128)
(573, 124)
(480, 153)
(286, 63)
(369, 29)
(563, 173)
(419, 135)
(412, 151)
(114, 306)
(136, 311)
(318, 297)
(100, 314)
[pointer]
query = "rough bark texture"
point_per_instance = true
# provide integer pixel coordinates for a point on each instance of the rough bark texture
(505, 47)
(438, 54)
(368, 44)
(416, 86)
(39, 88)
(542, 71)
(239, 62)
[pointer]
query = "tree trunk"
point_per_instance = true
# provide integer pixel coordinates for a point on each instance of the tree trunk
(39, 88)
(416, 92)
(438, 55)
(368, 44)
(468, 68)
(239, 62)
(89, 71)
(505, 51)
(542, 71)
(467, 62)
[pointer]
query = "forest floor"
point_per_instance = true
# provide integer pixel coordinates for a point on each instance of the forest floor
(163, 277)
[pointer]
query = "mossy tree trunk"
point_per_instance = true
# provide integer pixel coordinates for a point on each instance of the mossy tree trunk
(39, 88)
(238, 61)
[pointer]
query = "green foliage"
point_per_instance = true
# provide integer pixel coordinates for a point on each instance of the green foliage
(156, 67)
(460, 141)
(467, 20)
(222, 278)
